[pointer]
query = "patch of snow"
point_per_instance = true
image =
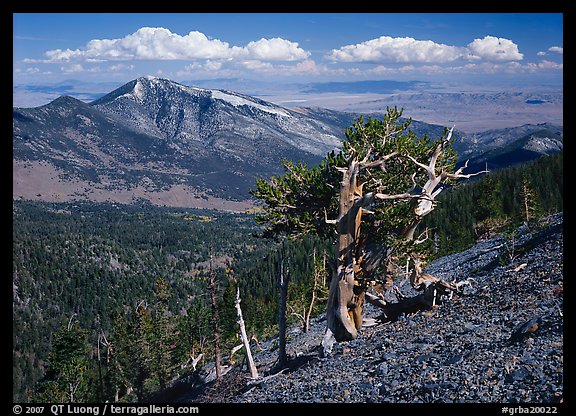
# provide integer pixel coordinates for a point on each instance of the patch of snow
(544, 145)
(236, 101)
(138, 91)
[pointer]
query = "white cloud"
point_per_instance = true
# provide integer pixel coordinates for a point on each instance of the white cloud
(557, 49)
(76, 68)
(399, 50)
(492, 48)
(208, 65)
(70, 69)
(256, 65)
(544, 64)
(275, 49)
(157, 43)
(386, 49)
(308, 66)
(121, 67)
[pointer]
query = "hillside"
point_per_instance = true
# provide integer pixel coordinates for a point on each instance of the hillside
(464, 350)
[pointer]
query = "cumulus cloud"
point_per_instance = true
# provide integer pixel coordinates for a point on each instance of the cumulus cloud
(557, 49)
(157, 43)
(275, 49)
(386, 49)
(491, 48)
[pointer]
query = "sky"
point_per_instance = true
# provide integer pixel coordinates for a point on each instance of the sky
(490, 48)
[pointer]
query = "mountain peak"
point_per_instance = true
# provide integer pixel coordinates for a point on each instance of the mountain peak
(66, 101)
(154, 92)
(152, 80)
(138, 89)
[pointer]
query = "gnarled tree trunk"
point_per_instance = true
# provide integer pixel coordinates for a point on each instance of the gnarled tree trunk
(345, 306)
(346, 296)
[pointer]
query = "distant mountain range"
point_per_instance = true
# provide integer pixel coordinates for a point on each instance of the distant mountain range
(157, 140)
(508, 147)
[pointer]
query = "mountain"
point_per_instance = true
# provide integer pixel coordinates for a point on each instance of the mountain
(474, 144)
(162, 141)
(503, 152)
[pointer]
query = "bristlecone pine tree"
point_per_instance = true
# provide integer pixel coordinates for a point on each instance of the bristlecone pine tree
(372, 194)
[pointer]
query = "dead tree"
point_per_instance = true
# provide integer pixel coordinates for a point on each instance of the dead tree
(318, 272)
(318, 282)
(245, 340)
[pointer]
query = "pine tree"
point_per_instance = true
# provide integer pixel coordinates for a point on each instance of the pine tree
(283, 279)
(141, 349)
(374, 193)
(68, 377)
(215, 321)
(163, 335)
(532, 208)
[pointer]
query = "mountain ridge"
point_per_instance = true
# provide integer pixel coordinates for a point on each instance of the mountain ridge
(157, 140)
(164, 135)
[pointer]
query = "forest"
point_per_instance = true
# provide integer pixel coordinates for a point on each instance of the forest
(112, 302)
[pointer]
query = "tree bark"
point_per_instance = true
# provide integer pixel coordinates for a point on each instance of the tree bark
(346, 296)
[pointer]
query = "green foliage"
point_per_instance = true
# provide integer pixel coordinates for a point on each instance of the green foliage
(68, 377)
(295, 201)
(163, 336)
(495, 203)
(301, 200)
(101, 261)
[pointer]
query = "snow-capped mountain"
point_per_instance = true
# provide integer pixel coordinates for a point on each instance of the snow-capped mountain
(171, 144)
(159, 140)
(182, 114)
(545, 140)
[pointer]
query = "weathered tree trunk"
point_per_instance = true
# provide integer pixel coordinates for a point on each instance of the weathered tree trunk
(245, 340)
(346, 296)
(344, 313)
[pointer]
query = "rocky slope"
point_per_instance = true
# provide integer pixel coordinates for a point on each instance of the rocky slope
(468, 349)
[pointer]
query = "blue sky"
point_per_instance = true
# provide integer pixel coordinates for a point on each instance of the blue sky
(284, 48)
